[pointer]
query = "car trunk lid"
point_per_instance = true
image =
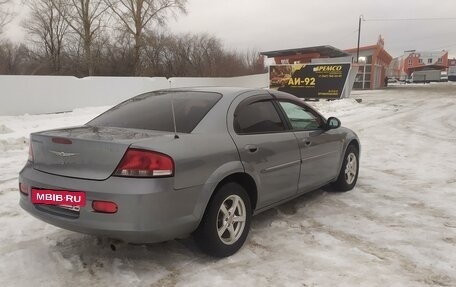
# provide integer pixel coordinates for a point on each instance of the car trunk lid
(86, 152)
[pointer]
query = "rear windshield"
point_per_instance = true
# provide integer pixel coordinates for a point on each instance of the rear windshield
(153, 111)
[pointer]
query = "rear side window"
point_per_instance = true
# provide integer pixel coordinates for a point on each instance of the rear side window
(257, 117)
(153, 111)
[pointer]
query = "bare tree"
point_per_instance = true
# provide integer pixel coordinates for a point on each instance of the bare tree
(13, 58)
(117, 58)
(155, 52)
(48, 29)
(195, 55)
(139, 15)
(85, 18)
(253, 61)
(5, 13)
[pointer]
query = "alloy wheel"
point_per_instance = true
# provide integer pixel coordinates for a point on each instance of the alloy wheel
(231, 219)
(351, 168)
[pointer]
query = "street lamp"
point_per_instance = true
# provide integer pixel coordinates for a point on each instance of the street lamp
(361, 17)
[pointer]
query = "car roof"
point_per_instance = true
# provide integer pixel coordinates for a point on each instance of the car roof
(232, 92)
(224, 91)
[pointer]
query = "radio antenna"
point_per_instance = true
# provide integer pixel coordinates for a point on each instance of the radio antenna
(174, 116)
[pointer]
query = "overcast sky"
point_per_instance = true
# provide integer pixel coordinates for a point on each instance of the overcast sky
(265, 25)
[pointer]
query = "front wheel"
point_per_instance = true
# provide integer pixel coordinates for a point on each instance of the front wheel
(226, 222)
(348, 174)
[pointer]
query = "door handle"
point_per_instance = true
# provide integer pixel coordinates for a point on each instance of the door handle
(251, 148)
(307, 143)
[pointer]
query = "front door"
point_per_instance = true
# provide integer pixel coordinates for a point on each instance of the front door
(320, 149)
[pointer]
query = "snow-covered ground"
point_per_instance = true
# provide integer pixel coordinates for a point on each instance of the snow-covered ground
(396, 228)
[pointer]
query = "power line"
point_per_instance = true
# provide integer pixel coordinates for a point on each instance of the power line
(409, 19)
(412, 19)
(445, 47)
(345, 36)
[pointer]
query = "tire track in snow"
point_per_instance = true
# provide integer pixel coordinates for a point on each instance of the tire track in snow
(420, 274)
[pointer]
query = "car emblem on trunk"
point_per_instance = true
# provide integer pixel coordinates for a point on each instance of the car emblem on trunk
(63, 154)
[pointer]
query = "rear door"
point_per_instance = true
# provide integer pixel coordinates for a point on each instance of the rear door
(320, 149)
(268, 150)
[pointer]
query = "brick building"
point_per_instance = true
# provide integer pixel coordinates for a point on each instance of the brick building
(373, 63)
(404, 66)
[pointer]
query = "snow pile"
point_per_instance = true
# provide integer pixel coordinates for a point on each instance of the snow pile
(15, 131)
(4, 129)
(396, 228)
(13, 144)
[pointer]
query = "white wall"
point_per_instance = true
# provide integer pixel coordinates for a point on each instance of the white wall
(50, 94)
(253, 81)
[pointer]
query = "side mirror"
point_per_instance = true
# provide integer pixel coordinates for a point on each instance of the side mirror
(333, 123)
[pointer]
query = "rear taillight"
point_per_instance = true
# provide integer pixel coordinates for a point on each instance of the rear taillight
(104, 206)
(61, 141)
(23, 188)
(30, 155)
(143, 163)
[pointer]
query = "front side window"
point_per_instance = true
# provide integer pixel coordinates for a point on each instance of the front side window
(301, 118)
(257, 117)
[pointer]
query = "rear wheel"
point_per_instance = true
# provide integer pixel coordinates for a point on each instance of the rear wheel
(348, 175)
(226, 222)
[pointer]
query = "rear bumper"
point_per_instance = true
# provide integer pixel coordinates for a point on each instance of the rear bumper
(149, 210)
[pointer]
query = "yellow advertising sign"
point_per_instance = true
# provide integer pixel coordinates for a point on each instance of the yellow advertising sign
(310, 80)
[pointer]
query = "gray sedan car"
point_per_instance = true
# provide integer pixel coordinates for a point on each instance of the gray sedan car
(171, 163)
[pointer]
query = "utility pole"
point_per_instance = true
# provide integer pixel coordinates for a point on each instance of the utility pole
(359, 37)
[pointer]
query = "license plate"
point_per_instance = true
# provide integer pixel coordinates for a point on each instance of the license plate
(58, 197)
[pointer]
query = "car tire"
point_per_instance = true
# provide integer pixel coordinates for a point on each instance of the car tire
(226, 221)
(348, 175)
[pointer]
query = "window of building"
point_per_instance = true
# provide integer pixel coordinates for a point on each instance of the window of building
(420, 61)
(439, 60)
(410, 62)
(430, 61)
